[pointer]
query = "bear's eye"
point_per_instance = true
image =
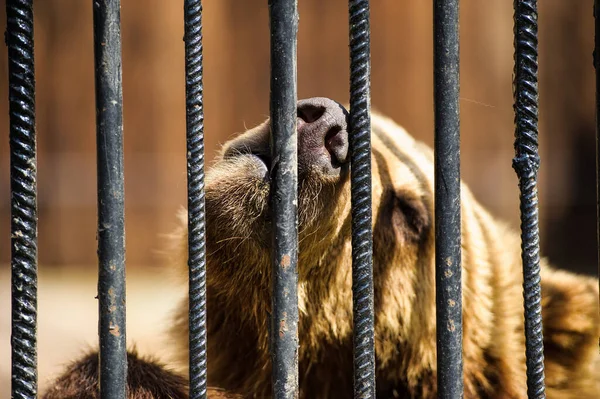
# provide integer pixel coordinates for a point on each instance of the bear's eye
(410, 216)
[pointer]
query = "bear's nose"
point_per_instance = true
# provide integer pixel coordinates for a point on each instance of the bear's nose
(322, 135)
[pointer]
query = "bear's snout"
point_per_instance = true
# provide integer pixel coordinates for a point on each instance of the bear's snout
(322, 141)
(322, 136)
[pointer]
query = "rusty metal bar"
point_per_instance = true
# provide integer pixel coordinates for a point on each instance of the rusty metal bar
(447, 199)
(196, 204)
(111, 201)
(360, 182)
(526, 164)
(23, 187)
(283, 16)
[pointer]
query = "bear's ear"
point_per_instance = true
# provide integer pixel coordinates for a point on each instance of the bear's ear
(410, 216)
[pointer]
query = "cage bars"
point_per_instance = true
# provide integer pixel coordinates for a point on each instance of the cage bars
(596, 58)
(111, 211)
(196, 202)
(23, 187)
(284, 321)
(526, 164)
(359, 133)
(447, 199)
(283, 15)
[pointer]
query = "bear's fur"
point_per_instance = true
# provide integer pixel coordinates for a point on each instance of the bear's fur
(239, 274)
(146, 379)
(238, 287)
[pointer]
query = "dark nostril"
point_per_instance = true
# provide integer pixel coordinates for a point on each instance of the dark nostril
(322, 135)
(310, 113)
(336, 143)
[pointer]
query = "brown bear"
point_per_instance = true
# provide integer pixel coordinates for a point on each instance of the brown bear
(239, 274)
(146, 379)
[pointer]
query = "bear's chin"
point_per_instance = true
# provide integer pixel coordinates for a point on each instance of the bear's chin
(238, 201)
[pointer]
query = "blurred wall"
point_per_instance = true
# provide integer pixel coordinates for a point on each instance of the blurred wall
(236, 77)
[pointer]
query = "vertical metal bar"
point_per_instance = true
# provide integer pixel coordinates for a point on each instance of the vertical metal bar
(196, 204)
(362, 229)
(283, 15)
(23, 186)
(526, 164)
(447, 199)
(111, 213)
(597, 66)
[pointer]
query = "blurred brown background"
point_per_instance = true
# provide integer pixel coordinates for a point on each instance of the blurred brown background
(236, 77)
(236, 41)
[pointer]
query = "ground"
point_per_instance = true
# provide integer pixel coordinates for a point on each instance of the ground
(68, 314)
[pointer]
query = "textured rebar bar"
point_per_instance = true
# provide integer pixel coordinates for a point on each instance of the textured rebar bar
(111, 199)
(196, 204)
(526, 164)
(283, 15)
(23, 186)
(360, 176)
(447, 199)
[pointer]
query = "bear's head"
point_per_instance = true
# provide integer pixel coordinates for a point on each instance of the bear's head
(238, 199)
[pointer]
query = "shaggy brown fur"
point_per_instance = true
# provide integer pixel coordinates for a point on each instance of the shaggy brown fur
(239, 285)
(146, 379)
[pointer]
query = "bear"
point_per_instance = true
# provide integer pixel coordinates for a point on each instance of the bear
(237, 188)
(147, 378)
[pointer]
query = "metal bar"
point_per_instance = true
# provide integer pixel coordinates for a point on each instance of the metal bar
(196, 204)
(597, 67)
(111, 212)
(447, 199)
(23, 186)
(526, 164)
(283, 15)
(360, 181)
